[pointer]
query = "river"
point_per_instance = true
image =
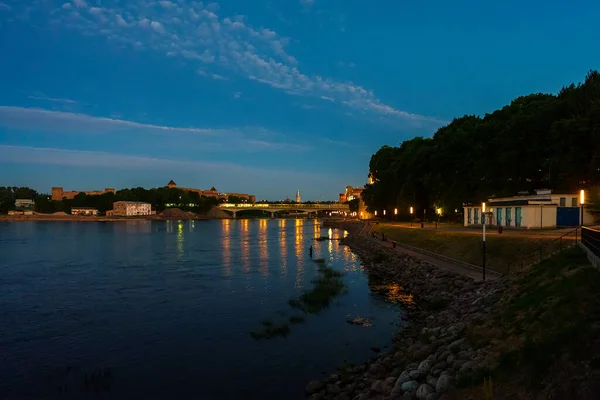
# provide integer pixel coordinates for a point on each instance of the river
(149, 309)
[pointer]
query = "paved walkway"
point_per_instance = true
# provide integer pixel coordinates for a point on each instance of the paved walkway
(437, 260)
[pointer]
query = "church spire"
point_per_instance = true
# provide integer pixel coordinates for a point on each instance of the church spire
(298, 196)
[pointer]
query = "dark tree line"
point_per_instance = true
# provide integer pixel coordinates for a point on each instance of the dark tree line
(537, 141)
(158, 198)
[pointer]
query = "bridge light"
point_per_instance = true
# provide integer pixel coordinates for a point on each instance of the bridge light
(383, 212)
(411, 210)
(395, 211)
(582, 197)
(375, 212)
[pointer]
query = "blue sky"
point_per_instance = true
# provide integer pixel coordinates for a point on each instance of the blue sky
(261, 96)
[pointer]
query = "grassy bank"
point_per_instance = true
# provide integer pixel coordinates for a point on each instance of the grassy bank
(545, 330)
(500, 251)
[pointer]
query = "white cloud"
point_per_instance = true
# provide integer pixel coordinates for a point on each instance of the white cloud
(194, 30)
(4, 6)
(54, 100)
(57, 122)
(95, 10)
(157, 26)
(120, 20)
(218, 77)
(237, 95)
(66, 6)
(307, 3)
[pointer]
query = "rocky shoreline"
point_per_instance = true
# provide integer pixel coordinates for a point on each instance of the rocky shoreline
(431, 351)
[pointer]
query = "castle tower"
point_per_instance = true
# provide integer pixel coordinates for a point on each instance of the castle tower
(171, 184)
(57, 193)
(298, 196)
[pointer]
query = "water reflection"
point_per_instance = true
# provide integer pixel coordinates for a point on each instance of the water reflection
(226, 245)
(283, 244)
(299, 246)
(263, 248)
(394, 293)
(244, 237)
(180, 239)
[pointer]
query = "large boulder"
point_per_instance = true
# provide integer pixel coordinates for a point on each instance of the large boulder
(444, 384)
(423, 391)
(410, 386)
(313, 386)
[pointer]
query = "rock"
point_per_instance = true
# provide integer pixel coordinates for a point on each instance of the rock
(455, 346)
(425, 367)
(313, 386)
(444, 384)
(376, 349)
(388, 383)
(414, 374)
(377, 387)
(410, 386)
(457, 364)
(450, 359)
(432, 396)
(423, 391)
(431, 381)
(375, 369)
(316, 396)
(444, 355)
(363, 396)
(404, 377)
(442, 365)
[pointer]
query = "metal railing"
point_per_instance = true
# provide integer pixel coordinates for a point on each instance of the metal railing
(545, 251)
(590, 238)
(332, 206)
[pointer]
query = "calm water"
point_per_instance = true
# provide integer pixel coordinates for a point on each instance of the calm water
(165, 309)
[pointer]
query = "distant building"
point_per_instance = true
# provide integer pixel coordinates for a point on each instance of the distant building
(24, 203)
(15, 212)
(543, 209)
(353, 193)
(212, 192)
(130, 208)
(58, 193)
(342, 198)
(298, 199)
(84, 211)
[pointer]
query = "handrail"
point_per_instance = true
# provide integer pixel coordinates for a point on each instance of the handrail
(540, 250)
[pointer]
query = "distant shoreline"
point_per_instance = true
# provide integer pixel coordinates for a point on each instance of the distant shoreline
(67, 218)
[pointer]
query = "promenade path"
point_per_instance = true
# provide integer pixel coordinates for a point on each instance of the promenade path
(438, 260)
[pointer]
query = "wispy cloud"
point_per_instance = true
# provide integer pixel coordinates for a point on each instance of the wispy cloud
(307, 3)
(46, 121)
(118, 161)
(341, 143)
(237, 95)
(4, 6)
(52, 99)
(195, 31)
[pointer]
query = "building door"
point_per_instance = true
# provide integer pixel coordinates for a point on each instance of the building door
(498, 216)
(476, 215)
(508, 216)
(567, 216)
(518, 217)
(469, 220)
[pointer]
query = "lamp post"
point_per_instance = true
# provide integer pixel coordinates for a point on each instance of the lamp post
(438, 211)
(411, 216)
(384, 213)
(375, 212)
(581, 203)
(483, 214)
(395, 214)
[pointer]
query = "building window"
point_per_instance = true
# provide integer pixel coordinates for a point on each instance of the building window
(469, 220)
(573, 201)
(476, 215)
(563, 201)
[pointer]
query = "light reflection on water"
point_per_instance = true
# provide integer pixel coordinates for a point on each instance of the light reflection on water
(170, 305)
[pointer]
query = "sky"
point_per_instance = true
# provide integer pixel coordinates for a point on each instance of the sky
(263, 97)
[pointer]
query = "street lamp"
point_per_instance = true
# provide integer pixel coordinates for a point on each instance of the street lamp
(375, 212)
(395, 213)
(411, 216)
(384, 213)
(581, 203)
(438, 211)
(483, 214)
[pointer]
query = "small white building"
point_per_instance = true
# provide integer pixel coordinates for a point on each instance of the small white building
(543, 209)
(130, 208)
(24, 203)
(90, 211)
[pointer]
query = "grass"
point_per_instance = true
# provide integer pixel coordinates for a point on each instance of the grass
(297, 319)
(327, 286)
(271, 331)
(467, 247)
(550, 317)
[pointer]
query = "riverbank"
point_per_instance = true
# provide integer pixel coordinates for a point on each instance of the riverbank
(478, 340)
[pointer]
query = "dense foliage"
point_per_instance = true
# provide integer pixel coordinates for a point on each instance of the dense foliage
(538, 141)
(159, 198)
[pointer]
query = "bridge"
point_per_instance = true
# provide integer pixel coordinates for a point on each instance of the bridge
(273, 208)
